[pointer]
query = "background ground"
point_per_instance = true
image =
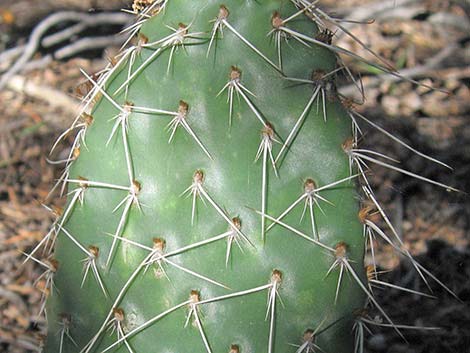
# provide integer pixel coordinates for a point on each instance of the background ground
(427, 39)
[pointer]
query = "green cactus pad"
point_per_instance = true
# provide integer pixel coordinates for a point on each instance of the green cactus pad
(241, 289)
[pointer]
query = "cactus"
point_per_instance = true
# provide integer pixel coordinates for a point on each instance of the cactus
(213, 191)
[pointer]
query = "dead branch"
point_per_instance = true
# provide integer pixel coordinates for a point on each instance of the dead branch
(45, 93)
(84, 20)
(414, 72)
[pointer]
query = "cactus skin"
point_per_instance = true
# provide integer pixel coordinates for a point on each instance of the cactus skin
(233, 180)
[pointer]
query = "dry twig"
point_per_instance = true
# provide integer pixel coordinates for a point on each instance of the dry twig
(84, 21)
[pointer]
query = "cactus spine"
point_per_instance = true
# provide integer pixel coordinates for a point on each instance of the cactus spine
(212, 196)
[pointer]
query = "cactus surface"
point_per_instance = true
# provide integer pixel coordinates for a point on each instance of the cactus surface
(212, 202)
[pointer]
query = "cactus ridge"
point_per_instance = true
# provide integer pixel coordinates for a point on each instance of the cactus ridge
(172, 208)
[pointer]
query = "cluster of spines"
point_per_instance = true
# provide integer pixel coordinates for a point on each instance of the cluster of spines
(323, 89)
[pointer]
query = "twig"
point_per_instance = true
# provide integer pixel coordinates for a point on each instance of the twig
(37, 64)
(72, 49)
(63, 35)
(51, 21)
(418, 71)
(53, 97)
(372, 10)
(88, 43)
(48, 41)
(10, 54)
